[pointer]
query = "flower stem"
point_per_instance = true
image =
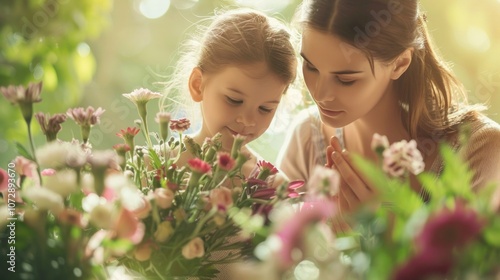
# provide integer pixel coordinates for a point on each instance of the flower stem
(32, 146)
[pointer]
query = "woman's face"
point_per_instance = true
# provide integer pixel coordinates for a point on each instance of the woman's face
(340, 79)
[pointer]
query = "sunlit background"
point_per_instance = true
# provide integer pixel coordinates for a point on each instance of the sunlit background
(90, 52)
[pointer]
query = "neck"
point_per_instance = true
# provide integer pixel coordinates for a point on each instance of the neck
(384, 119)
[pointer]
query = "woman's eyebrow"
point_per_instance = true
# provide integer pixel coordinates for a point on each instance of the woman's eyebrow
(341, 72)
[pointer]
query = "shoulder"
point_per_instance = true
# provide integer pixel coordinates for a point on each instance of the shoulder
(483, 132)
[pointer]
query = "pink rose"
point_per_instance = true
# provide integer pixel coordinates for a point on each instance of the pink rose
(143, 251)
(221, 197)
(194, 249)
(163, 197)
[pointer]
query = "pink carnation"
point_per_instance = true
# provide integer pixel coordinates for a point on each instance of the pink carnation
(199, 166)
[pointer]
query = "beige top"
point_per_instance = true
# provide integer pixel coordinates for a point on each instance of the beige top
(305, 147)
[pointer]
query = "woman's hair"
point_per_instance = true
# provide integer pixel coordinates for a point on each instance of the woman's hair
(432, 99)
(236, 38)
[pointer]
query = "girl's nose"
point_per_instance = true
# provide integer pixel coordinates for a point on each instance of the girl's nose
(246, 119)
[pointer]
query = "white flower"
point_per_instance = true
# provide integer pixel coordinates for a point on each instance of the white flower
(323, 181)
(102, 216)
(60, 154)
(379, 143)
(403, 156)
(45, 199)
(62, 182)
(141, 95)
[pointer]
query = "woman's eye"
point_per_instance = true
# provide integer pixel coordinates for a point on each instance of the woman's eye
(345, 82)
(233, 101)
(309, 66)
(265, 109)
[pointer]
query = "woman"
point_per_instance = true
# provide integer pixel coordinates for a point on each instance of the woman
(371, 68)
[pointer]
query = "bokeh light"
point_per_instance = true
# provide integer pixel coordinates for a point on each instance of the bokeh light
(265, 5)
(153, 8)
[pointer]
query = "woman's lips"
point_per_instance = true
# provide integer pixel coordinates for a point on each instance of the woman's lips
(331, 113)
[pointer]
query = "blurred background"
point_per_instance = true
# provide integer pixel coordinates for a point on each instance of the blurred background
(89, 52)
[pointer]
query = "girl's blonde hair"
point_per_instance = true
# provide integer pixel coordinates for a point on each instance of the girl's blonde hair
(236, 37)
(433, 101)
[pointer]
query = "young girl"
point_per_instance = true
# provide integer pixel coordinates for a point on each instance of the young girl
(239, 70)
(371, 68)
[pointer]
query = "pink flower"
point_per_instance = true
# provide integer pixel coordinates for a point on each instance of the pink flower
(266, 169)
(199, 166)
(265, 165)
(130, 132)
(450, 229)
(127, 226)
(50, 126)
(194, 249)
(20, 94)
(143, 251)
(425, 265)
(225, 161)
(163, 197)
(221, 197)
(180, 125)
(324, 181)
(379, 143)
(72, 217)
(292, 232)
(401, 157)
(48, 172)
(143, 208)
(85, 117)
(4, 180)
(24, 167)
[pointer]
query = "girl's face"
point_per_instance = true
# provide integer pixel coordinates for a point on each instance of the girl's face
(340, 79)
(239, 100)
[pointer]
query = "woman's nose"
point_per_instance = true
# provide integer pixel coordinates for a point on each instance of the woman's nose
(323, 90)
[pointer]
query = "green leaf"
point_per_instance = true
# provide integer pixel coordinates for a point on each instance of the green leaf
(456, 177)
(22, 151)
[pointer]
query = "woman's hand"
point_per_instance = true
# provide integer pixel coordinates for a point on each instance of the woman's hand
(354, 189)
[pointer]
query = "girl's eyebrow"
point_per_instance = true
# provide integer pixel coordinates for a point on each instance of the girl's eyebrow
(342, 72)
(239, 92)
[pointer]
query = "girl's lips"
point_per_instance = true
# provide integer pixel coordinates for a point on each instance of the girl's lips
(237, 133)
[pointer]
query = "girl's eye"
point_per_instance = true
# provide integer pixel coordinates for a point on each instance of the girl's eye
(265, 109)
(310, 67)
(233, 101)
(344, 82)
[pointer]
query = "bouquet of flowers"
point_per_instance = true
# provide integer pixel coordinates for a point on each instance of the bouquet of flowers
(76, 212)
(399, 235)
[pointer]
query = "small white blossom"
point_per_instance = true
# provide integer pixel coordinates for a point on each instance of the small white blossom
(403, 156)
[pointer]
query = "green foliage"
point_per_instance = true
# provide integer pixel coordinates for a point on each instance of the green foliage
(46, 40)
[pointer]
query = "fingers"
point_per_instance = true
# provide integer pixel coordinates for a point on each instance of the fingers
(335, 143)
(334, 146)
(353, 190)
(329, 160)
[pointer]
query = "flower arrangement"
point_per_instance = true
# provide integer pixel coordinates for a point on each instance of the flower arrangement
(452, 235)
(81, 213)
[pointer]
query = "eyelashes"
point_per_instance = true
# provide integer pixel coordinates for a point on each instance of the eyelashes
(236, 102)
(309, 67)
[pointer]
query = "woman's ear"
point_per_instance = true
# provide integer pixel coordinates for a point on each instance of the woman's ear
(195, 84)
(402, 63)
